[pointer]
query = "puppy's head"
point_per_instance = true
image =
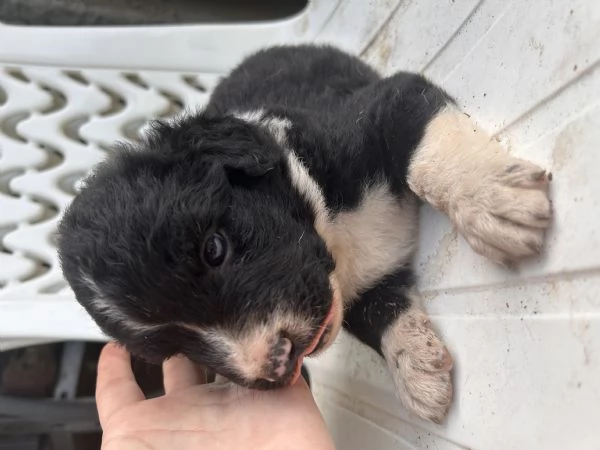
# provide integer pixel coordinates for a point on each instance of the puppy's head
(196, 242)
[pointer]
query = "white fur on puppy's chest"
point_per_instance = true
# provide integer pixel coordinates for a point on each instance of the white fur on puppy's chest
(373, 240)
(367, 243)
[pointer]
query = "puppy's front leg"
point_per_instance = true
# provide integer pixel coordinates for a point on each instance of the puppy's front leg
(389, 319)
(498, 202)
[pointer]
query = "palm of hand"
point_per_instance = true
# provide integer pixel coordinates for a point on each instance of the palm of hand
(207, 416)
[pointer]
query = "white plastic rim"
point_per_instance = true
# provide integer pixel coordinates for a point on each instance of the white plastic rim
(349, 24)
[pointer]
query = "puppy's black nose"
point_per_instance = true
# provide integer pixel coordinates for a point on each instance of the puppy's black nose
(282, 359)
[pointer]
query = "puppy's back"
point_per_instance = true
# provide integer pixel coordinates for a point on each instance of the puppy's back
(277, 77)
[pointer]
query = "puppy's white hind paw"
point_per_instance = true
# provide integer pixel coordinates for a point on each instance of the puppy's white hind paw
(420, 365)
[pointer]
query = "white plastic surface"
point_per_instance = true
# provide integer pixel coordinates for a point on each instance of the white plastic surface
(526, 342)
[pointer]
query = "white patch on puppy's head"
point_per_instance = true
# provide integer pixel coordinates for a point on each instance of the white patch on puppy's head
(276, 126)
(308, 188)
(253, 117)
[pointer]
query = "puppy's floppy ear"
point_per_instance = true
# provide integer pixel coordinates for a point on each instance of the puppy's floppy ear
(250, 160)
(232, 143)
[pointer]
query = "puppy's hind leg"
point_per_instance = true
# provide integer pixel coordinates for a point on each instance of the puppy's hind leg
(389, 319)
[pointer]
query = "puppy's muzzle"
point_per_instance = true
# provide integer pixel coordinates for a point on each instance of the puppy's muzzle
(268, 363)
(285, 361)
(281, 360)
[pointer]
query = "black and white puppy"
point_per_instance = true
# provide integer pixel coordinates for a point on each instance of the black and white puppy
(245, 235)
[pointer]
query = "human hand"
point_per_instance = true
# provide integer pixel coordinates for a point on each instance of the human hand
(202, 416)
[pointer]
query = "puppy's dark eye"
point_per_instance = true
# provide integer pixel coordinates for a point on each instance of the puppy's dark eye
(215, 250)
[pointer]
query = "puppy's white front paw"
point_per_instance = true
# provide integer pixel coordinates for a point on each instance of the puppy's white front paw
(420, 365)
(501, 206)
(499, 203)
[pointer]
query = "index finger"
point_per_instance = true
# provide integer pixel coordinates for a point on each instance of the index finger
(116, 387)
(180, 373)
